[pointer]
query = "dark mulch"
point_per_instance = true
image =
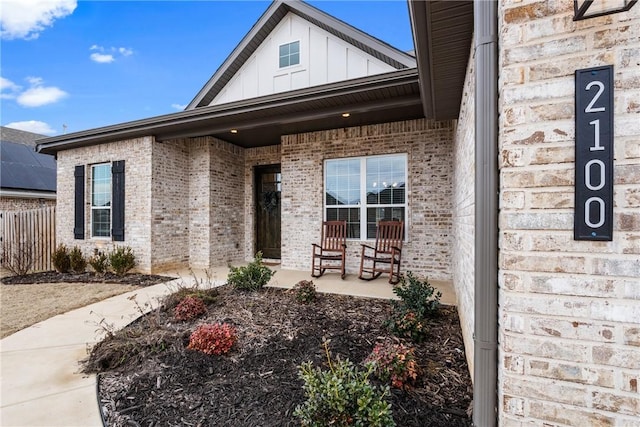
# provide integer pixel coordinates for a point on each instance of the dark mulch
(136, 279)
(149, 378)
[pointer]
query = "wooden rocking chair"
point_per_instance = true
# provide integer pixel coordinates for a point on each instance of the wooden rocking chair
(386, 255)
(330, 254)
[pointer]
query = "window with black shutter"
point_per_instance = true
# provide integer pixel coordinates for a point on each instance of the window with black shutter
(117, 211)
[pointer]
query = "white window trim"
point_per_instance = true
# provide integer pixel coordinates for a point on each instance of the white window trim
(363, 194)
(92, 208)
(299, 55)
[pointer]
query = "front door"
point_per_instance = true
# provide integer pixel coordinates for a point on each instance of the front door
(267, 205)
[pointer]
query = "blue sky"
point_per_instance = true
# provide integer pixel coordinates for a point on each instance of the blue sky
(87, 64)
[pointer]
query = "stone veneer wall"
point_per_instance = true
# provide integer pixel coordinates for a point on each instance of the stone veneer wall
(428, 144)
(463, 244)
(137, 154)
(569, 349)
(21, 204)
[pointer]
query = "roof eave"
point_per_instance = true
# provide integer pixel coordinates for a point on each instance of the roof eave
(419, 13)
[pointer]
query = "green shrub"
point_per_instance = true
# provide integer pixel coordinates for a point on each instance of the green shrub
(78, 263)
(122, 260)
(213, 339)
(251, 277)
(305, 291)
(189, 308)
(418, 301)
(60, 259)
(394, 362)
(342, 396)
(99, 261)
(417, 296)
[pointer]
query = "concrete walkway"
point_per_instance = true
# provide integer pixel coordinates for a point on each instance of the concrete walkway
(39, 371)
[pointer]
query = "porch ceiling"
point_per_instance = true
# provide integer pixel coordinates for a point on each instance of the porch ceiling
(442, 33)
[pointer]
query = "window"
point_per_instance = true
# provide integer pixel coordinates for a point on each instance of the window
(101, 200)
(289, 54)
(365, 190)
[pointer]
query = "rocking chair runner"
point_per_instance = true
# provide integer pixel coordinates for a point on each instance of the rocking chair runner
(385, 257)
(330, 253)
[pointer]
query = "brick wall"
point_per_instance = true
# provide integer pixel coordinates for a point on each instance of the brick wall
(464, 212)
(137, 154)
(569, 310)
(22, 204)
(428, 145)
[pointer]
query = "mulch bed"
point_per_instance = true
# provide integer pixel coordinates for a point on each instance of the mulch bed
(149, 378)
(136, 279)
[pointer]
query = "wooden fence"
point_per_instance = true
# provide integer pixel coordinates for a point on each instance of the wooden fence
(28, 237)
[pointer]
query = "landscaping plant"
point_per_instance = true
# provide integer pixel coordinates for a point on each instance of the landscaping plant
(78, 263)
(99, 262)
(18, 259)
(250, 277)
(189, 308)
(305, 291)
(394, 362)
(122, 260)
(418, 301)
(213, 338)
(342, 396)
(60, 259)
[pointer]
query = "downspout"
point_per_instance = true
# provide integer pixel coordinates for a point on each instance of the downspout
(485, 387)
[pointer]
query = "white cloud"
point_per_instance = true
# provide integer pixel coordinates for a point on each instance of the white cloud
(25, 19)
(34, 126)
(8, 89)
(179, 106)
(101, 58)
(106, 58)
(38, 94)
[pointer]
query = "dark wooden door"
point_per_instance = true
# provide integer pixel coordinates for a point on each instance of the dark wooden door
(267, 206)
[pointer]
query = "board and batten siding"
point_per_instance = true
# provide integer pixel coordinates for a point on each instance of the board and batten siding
(324, 58)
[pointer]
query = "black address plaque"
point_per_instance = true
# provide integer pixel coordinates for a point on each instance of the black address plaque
(593, 219)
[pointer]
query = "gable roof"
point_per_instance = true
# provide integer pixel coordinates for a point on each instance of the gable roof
(22, 168)
(266, 24)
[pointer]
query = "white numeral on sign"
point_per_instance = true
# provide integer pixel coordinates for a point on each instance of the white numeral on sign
(587, 175)
(597, 146)
(587, 212)
(590, 108)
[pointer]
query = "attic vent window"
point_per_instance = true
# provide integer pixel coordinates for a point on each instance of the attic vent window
(289, 54)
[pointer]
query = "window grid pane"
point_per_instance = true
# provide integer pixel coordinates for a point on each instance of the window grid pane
(101, 200)
(289, 54)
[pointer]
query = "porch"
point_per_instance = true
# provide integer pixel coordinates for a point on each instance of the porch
(329, 283)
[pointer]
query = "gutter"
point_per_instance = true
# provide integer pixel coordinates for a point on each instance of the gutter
(485, 384)
(26, 194)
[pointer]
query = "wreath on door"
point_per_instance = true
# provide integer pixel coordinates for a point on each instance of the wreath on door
(270, 200)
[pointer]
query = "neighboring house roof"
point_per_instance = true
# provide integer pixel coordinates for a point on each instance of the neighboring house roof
(25, 172)
(408, 93)
(268, 22)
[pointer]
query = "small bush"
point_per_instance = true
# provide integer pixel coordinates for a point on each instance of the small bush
(213, 339)
(78, 263)
(60, 259)
(342, 396)
(418, 301)
(251, 277)
(394, 362)
(207, 296)
(305, 291)
(418, 296)
(122, 260)
(189, 308)
(99, 262)
(19, 258)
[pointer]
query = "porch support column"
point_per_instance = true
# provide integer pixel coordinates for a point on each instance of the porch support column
(486, 215)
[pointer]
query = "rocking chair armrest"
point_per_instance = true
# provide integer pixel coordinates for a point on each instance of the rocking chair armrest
(396, 249)
(316, 245)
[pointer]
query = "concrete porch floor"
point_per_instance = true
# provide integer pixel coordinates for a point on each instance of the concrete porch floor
(329, 283)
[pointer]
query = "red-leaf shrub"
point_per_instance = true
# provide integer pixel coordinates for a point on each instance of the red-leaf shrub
(394, 362)
(189, 308)
(213, 339)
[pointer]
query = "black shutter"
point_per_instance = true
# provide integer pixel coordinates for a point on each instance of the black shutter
(78, 226)
(117, 200)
